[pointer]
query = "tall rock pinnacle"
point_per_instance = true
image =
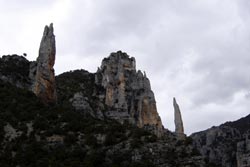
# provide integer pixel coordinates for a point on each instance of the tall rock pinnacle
(44, 79)
(179, 129)
(127, 93)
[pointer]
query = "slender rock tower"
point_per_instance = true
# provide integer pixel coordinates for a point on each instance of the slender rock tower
(44, 79)
(179, 129)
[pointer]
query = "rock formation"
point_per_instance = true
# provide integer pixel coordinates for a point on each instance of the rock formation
(42, 71)
(227, 145)
(179, 129)
(87, 104)
(243, 151)
(127, 93)
(217, 145)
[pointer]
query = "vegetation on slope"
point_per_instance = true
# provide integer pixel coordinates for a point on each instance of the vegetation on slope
(57, 136)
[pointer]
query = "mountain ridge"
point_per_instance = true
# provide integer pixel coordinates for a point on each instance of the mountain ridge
(107, 118)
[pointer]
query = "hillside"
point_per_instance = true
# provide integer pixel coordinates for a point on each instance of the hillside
(226, 145)
(102, 119)
(60, 135)
(107, 118)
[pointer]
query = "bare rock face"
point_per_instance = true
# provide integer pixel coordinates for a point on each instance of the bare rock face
(218, 145)
(127, 93)
(42, 71)
(80, 103)
(227, 145)
(243, 151)
(179, 129)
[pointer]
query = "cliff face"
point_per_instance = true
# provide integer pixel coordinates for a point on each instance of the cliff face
(127, 93)
(116, 91)
(37, 76)
(82, 124)
(227, 145)
(42, 71)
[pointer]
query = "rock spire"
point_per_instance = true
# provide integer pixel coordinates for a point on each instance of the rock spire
(43, 71)
(127, 93)
(179, 129)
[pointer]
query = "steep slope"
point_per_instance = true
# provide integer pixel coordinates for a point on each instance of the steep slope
(107, 118)
(77, 131)
(61, 135)
(127, 93)
(116, 91)
(227, 145)
(243, 124)
(14, 69)
(37, 76)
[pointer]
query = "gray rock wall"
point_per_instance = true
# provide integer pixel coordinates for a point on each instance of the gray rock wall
(127, 92)
(179, 129)
(42, 71)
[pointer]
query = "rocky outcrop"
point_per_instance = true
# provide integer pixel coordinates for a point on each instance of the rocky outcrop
(179, 129)
(218, 145)
(243, 151)
(37, 76)
(80, 103)
(227, 145)
(127, 93)
(42, 71)
(116, 91)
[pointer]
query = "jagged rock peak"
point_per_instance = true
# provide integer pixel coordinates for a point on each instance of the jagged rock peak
(47, 50)
(127, 92)
(119, 60)
(179, 129)
(42, 70)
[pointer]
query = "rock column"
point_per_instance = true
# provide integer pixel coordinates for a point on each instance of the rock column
(179, 129)
(44, 81)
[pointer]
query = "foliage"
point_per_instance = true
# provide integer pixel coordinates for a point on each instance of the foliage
(60, 136)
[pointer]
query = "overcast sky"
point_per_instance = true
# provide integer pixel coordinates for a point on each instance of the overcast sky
(195, 50)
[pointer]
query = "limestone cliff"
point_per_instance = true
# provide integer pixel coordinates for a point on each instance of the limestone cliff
(227, 145)
(179, 129)
(127, 93)
(42, 71)
(81, 127)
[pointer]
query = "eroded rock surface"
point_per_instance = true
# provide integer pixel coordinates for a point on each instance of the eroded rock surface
(179, 129)
(42, 69)
(227, 145)
(127, 92)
